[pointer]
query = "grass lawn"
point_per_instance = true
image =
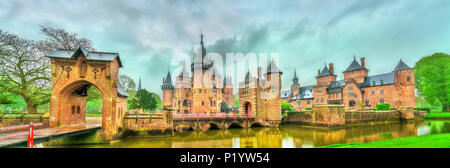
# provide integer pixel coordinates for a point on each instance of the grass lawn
(438, 114)
(93, 115)
(427, 141)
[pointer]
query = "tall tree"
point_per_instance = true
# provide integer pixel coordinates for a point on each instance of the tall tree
(56, 38)
(143, 100)
(432, 79)
(127, 82)
(23, 68)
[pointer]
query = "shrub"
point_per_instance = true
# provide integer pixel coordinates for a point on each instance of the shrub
(422, 109)
(293, 113)
(308, 108)
(383, 106)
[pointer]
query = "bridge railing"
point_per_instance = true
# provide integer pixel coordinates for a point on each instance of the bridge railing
(144, 116)
(212, 116)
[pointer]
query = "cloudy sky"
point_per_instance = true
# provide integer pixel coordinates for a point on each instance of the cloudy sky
(153, 36)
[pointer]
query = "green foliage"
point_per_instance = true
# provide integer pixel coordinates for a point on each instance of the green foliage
(93, 93)
(285, 106)
(432, 79)
(294, 113)
(308, 108)
(144, 100)
(236, 100)
(94, 106)
(427, 141)
(423, 109)
(439, 114)
(383, 106)
(7, 98)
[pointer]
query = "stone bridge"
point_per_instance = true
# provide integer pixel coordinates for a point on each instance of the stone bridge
(183, 122)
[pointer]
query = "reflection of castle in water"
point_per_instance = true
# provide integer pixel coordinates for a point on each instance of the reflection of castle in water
(292, 136)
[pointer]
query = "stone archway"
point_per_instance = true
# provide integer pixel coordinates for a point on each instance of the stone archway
(73, 72)
(248, 108)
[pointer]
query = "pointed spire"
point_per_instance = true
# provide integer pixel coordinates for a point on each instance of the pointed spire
(354, 65)
(401, 66)
(295, 80)
(139, 86)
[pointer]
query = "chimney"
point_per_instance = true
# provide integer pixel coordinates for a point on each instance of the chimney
(318, 72)
(363, 62)
(163, 80)
(331, 68)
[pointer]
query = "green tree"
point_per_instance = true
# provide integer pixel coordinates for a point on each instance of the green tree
(25, 71)
(144, 100)
(285, 106)
(236, 100)
(432, 79)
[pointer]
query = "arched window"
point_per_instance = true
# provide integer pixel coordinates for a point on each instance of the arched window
(78, 110)
(73, 109)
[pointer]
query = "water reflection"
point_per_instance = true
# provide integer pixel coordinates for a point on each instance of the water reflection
(287, 136)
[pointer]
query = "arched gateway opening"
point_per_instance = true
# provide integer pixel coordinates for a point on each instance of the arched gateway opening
(248, 108)
(73, 73)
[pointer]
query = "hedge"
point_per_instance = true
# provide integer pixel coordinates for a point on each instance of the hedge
(423, 109)
(383, 106)
(308, 108)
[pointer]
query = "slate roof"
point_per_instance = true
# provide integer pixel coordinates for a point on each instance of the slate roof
(325, 71)
(285, 94)
(337, 84)
(168, 80)
(121, 92)
(400, 66)
(304, 93)
(90, 55)
(353, 66)
(381, 79)
(273, 68)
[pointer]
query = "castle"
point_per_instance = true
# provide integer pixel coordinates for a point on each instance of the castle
(258, 97)
(191, 95)
(357, 90)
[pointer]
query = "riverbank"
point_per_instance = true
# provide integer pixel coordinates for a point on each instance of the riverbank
(427, 141)
(438, 115)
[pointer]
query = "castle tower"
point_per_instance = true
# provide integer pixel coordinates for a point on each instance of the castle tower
(167, 89)
(295, 87)
(404, 84)
(356, 71)
(200, 94)
(183, 97)
(228, 96)
(273, 103)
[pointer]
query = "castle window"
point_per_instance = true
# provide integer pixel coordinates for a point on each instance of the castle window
(373, 83)
(350, 88)
(73, 109)
(205, 90)
(78, 110)
(203, 103)
(381, 100)
(367, 102)
(373, 92)
(308, 102)
(381, 82)
(351, 103)
(319, 90)
(382, 91)
(199, 90)
(408, 78)
(317, 100)
(321, 99)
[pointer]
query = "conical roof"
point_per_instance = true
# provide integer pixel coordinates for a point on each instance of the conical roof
(273, 68)
(325, 71)
(353, 66)
(400, 66)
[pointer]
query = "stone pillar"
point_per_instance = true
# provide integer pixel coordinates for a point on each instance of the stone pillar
(328, 115)
(406, 112)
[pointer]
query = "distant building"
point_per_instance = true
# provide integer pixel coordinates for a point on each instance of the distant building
(357, 88)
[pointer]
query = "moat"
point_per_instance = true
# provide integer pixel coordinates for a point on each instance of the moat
(286, 136)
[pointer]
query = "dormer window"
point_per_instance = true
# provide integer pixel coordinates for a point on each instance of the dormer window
(381, 82)
(373, 83)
